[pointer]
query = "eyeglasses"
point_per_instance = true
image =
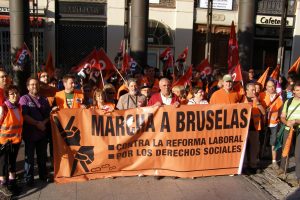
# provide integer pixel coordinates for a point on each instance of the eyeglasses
(13, 93)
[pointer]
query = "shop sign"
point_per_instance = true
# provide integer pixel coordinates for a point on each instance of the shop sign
(6, 10)
(218, 4)
(273, 20)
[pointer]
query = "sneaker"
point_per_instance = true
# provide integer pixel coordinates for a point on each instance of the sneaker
(5, 191)
(275, 166)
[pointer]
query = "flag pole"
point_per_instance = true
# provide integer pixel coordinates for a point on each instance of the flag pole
(101, 77)
(119, 73)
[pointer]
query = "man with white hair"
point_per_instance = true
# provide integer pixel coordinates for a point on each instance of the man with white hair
(165, 96)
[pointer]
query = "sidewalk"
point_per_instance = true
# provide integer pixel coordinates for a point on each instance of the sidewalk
(147, 188)
(265, 185)
(279, 187)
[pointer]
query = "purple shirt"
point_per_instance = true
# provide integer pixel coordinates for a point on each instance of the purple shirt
(38, 109)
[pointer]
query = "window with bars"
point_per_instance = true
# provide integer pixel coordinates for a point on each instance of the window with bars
(5, 56)
(159, 34)
(275, 7)
(76, 39)
(163, 3)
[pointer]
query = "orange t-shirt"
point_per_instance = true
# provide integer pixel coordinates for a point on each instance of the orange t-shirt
(222, 97)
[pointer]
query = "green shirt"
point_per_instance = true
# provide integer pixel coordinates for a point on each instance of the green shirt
(295, 114)
(69, 99)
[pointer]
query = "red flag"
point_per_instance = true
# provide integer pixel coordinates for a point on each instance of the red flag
(104, 61)
(126, 62)
(238, 87)
(23, 56)
(237, 73)
(185, 79)
(204, 67)
(167, 58)
(295, 67)
(121, 48)
(233, 51)
(49, 65)
(88, 62)
(275, 73)
(263, 78)
(182, 57)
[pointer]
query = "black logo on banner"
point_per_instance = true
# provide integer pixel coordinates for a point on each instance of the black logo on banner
(71, 136)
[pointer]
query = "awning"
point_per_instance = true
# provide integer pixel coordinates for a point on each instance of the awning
(4, 20)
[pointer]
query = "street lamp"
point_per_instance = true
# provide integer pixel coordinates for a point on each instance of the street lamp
(208, 33)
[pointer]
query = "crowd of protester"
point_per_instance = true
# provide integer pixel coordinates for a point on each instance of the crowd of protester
(27, 117)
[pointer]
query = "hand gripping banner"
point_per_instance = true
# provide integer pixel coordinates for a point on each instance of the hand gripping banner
(190, 141)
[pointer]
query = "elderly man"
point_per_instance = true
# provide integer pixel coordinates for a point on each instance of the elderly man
(36, 112)
(132, 99)
(225, 95)
(272, 102)
(165, 96)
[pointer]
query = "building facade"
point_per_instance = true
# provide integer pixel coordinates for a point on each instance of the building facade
(265, 35)
(70, 29)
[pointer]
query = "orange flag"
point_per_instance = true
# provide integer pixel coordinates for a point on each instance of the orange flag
(262, 80)
(295, 67)
(49, 65)
(275, 73)
(287, 147)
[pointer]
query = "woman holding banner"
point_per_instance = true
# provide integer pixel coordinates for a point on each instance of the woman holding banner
(99, 101)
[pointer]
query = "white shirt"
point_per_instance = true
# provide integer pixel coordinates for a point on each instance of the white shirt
(166, 100)
(192, 102)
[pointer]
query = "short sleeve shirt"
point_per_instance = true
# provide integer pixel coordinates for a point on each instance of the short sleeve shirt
(295, 114)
